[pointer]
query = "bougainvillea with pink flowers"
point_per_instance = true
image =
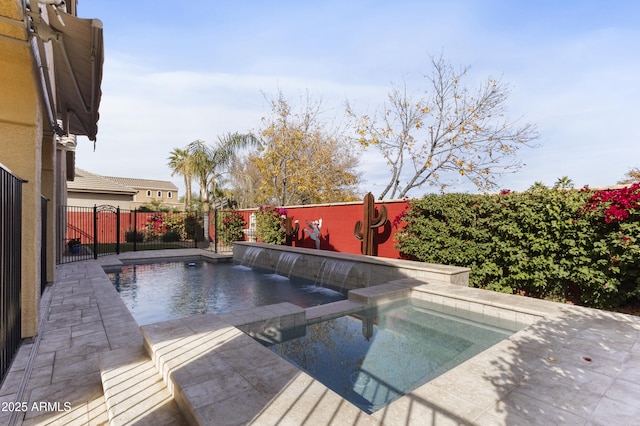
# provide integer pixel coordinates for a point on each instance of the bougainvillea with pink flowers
(616, 204)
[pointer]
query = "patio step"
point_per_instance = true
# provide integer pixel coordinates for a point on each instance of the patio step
(134, 391)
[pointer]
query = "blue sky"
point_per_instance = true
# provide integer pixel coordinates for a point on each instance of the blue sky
(179, 71)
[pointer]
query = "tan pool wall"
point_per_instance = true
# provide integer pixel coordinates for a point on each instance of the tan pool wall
(366, 270)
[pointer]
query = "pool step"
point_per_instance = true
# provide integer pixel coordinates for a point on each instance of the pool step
(134, 391)
(383, 293)
(213, 370)
(219, 375)
(332, 310)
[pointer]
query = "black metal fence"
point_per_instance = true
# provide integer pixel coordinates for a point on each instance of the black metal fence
(10, 266)
(43, 243)
(89, 232)
(228, 226)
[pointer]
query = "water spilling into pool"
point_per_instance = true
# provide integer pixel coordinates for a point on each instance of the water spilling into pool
(334, 271)
(377, 357)
(250, 256)
(286, 263)
(163, 291)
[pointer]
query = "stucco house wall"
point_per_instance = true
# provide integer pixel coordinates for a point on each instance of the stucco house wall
(149, 190)
(33, 122)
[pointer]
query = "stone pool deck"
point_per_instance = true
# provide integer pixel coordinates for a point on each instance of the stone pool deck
(91, 364)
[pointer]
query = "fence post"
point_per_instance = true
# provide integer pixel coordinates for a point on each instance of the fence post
(215, 230)
(43, 244)
(135, 229)
(95, 231)
(196, 221)
(118, 230)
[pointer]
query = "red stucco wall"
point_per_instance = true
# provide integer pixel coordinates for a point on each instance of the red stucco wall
(338, 222)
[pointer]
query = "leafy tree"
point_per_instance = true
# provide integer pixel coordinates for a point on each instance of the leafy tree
(194, 204)
(180, 165)
(563, 183)
(245, 182)
(301, 160)
(451, 129)
(155, 205)
(632, 176)
(537, 187)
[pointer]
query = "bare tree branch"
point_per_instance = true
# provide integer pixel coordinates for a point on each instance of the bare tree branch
(450, 130)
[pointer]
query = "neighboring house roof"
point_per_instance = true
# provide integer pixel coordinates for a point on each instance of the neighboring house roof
(144, 183)
(89, 182)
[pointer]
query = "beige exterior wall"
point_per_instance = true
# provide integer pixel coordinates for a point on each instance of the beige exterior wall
(148, 195)
(49, 193)
(21, 134)
(30, 150)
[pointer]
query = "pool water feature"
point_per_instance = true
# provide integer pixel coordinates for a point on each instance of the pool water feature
(334, 271)
(373, 358)
(343, 269)
(164, 291)
(250, 256)
(286, 263)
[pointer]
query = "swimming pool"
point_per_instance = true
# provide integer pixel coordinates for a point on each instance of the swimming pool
(163, 291)
(375, 358)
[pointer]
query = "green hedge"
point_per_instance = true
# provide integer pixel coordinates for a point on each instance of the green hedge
(577, 246)
(269, 225)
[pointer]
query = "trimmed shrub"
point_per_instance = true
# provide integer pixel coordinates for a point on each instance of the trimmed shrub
(269, 225)
(170, 236)
(231, 228)
(132, 235)
(578, 246)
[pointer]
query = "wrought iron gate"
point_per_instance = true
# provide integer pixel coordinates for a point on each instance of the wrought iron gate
(10, 266)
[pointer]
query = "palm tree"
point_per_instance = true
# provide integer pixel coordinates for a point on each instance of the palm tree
(200, 158)
(226, 152)
(180, 165)
(208, 164)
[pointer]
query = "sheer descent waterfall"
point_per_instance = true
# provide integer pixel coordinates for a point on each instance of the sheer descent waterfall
(286, 262)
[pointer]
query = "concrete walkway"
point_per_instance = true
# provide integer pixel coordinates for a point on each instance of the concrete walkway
(572, 366)
(55, 378)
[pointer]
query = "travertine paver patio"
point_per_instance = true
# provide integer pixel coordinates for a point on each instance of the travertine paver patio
(573, 366)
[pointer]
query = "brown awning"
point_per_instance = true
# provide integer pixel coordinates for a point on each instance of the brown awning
(78, 54)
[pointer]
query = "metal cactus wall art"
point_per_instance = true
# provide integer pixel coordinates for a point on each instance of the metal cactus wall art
(365, 229)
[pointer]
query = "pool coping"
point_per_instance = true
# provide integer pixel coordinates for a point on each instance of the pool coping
(472, 393)
(539, 316)
(539, 375)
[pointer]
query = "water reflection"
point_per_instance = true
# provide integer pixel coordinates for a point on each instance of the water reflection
(159, 292)
(374, 358)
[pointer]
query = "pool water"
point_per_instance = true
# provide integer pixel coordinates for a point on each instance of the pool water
(375, 358)
(163, 291)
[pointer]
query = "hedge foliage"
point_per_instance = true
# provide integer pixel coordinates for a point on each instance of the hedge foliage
(269, 224)
(569, 245)
(232, 227)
